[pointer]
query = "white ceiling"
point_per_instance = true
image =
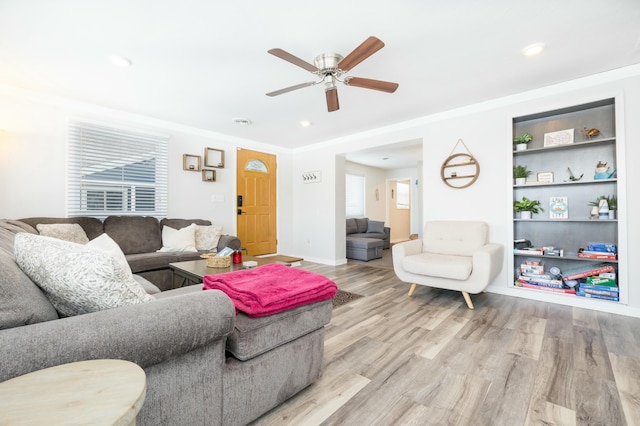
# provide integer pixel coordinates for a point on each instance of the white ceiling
(203, 63)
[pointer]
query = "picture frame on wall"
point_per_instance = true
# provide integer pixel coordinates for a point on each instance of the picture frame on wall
(214, 158)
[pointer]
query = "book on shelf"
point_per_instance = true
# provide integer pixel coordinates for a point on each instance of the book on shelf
(597, 296)
(601, 281)
(542, 282)
(531, 269)
(552, 251)
(558, 208)
(529, 251)
(610, 293)
(587, 271)
(543, 288)
(587, 254)
(602, 247)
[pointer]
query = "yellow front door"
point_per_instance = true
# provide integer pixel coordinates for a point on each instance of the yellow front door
(256, 201)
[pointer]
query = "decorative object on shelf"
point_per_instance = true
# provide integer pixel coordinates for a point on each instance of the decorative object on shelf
(611, 203)
(192, 163)
(545, 177)
(312, 177)
(460, 170)
(589, 133)
(602, 171)
(522, 141)
(572, 178)
(521, 173)
(558, 208)
(561, 137)
(208, 175)
(593, 214)
(527, 207)
(214, 158)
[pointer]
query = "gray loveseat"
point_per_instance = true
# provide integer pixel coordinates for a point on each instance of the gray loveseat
(366, 238)
(204, 365)
(140, 238)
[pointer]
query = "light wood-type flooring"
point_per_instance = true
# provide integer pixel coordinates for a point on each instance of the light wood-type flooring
(428, 360)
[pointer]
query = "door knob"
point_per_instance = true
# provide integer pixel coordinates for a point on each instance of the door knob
(239, 212)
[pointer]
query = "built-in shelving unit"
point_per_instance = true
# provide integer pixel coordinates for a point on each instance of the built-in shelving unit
(572, 166)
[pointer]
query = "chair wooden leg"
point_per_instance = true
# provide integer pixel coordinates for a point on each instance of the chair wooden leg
(412, 289)
(467, 299)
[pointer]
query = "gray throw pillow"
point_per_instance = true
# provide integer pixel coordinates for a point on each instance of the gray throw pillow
(375, 226)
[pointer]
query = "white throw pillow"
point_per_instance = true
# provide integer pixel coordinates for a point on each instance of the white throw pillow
(179, 239)
(64, 231)
(105, 243)
(76, 279)
(207, 236)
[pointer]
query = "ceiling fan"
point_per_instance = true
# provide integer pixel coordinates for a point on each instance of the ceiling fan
(332, 67)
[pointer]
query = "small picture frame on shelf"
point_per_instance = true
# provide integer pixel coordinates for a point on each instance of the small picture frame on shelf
(561, 137)
(558, 208)
(214, 158)
(545, 177)
(191, 163)
(208, 175)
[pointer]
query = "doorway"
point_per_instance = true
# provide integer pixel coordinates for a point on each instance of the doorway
(399, 209)
(256, 201)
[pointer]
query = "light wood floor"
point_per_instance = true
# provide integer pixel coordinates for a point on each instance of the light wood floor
(428, 360)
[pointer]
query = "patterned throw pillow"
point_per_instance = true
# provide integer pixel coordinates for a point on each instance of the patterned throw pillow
(64, 231)
(207, 237)
(76, 279)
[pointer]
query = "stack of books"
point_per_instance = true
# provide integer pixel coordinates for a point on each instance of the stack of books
(603, 251)
(533, 276)
(599, 288)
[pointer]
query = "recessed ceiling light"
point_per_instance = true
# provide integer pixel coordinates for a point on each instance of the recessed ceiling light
(305, 123)
(120, 61)
(533, 49)
(241, 121)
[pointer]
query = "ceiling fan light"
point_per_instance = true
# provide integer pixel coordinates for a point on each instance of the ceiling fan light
(241, 121)
(305, 123)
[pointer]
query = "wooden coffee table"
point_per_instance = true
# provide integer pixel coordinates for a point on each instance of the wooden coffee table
(192, 272)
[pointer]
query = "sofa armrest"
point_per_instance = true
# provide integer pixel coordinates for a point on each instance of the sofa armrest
(230, 241)
(146, 334)
(487, 264)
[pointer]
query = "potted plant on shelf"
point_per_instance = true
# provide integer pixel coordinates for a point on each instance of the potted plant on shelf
(522, 141)
(520, 174)
(527, 207)
(612, 204)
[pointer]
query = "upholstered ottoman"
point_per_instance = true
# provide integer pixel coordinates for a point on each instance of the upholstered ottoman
(364, 248)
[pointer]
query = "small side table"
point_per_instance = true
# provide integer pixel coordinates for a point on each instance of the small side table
(96, 392)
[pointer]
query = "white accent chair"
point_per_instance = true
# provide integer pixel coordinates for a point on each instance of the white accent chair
(454, 255)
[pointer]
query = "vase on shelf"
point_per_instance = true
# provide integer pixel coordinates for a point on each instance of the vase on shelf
(525, 214)
(521, 147)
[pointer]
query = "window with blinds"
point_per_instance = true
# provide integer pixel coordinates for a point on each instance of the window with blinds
(355, 191)
(116, 172)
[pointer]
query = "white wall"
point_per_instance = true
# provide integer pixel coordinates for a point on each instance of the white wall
(486, 130)
(375, 179)
(33, 150)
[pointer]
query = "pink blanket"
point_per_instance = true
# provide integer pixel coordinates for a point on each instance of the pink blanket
(271, 288)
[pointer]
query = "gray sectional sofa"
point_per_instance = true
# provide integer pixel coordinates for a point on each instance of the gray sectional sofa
(366, 238)
(204, 364)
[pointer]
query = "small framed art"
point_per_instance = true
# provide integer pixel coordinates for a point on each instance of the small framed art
(545, 177)
(561, 137)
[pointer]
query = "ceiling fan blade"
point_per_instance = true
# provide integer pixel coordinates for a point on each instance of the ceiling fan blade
(332, 99)
(291, 88)
(293, 59)
(360, 53)
(366, 83)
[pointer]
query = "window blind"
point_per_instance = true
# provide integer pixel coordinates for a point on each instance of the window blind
(355, 192)
(115, 171)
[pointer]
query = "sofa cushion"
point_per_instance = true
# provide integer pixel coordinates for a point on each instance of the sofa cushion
(91, 225)
(22, 302)
(63, 231)
(254, 336)
(375, 226)
(207, 237)
(454, 237)
(134, 234)
(439, 265)
(76, 279)
(142, 262)
(175, 240)
(362, 223)
(352, 228)
(369, 235)
(106, 244)
(182, 223)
